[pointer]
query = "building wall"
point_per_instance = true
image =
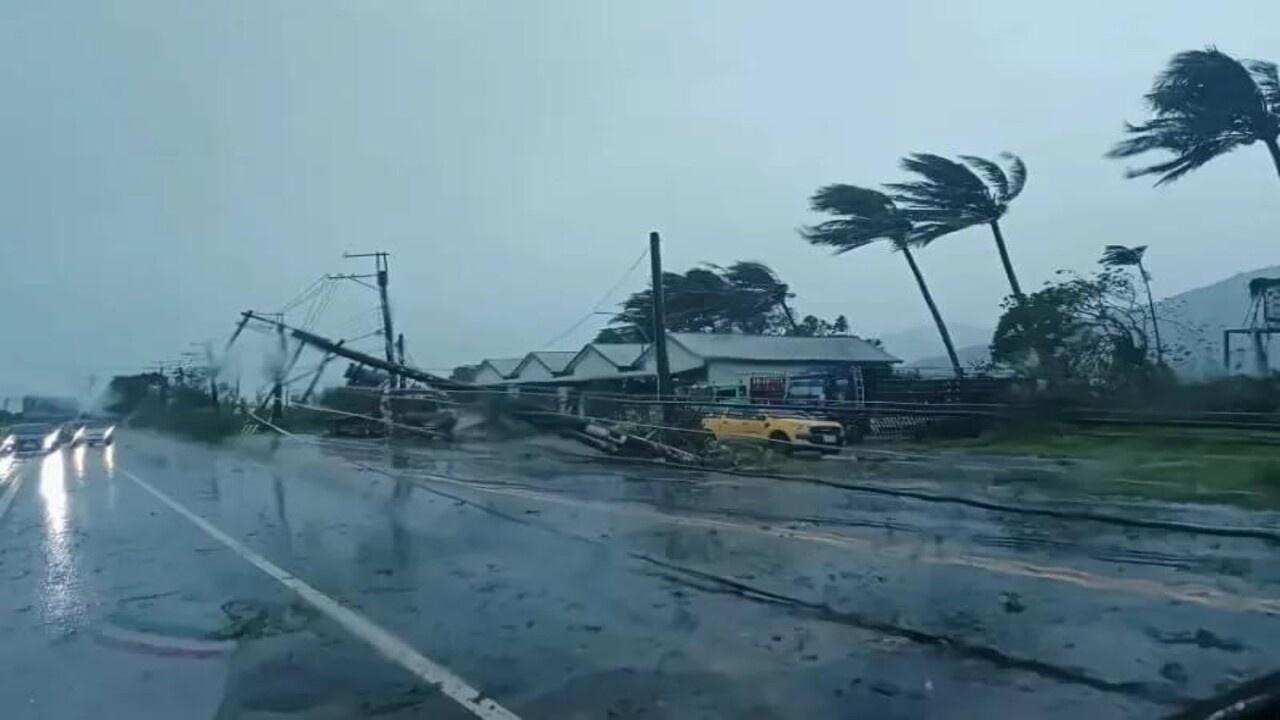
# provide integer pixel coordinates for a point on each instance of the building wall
(680, 359)
(487, 376)
(735, 372)
(593, 365)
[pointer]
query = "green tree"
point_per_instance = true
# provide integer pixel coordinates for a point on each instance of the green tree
(951, 196)
(814, 326)
(745, 297)
(759, 292)
(1204, 104)
(862, 217)
(1082, 332)
(1121, 256)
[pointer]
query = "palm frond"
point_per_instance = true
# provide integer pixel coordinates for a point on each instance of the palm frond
(863, 216)
(840, 199)
(948, 192)
(1204, 104)
(994, 175)
(1017, 175)
(1121, 256)
(1268, 82)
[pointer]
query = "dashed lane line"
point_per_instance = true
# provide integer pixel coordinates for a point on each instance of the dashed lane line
(390, 646)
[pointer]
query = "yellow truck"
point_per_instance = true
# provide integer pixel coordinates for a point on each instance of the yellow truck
(797, 431)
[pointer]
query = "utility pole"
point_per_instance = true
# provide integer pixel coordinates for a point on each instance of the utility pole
(315, 379)
(400, 348)
(388, 337)
(660, 323)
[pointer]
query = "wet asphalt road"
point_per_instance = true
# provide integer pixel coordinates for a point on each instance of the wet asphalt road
(561, 588)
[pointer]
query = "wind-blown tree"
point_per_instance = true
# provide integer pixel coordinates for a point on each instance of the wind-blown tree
(756, 280)
(1087, 333)
(862, 217)
(745, 297)
(1205, 104)
(1121, 256)
(951, 196)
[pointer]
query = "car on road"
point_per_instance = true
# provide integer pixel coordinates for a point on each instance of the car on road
(798, 431)
(8, 444)
(94, 433)
(37, 438)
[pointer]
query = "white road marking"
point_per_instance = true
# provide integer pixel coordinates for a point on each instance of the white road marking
(15, 483)
(384, 642)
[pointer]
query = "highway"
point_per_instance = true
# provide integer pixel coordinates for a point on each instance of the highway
(309, 578)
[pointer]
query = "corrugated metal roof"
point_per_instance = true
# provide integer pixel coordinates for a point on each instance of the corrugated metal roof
(776, 348)
(504, 366)
(620, 354)
(555, 360)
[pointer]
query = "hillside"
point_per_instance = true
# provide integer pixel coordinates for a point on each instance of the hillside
(922, 342)
(1191, 324)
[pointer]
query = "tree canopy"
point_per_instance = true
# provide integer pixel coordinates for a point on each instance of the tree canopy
(950, 196)
(1087, 332)
(745, 297)
(1204, 104)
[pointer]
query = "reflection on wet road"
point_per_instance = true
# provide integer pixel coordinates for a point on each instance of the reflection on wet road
(345, 579)
(60, 593)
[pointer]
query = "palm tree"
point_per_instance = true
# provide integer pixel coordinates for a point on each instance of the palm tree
(1121, 256)
(864, 216)
(952, 196)
(1205, 104)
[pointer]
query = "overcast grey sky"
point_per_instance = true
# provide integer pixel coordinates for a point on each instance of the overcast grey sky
(168, 164)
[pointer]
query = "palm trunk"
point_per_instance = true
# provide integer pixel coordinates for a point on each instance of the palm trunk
(1004, 258)
(1273, 146)
(933, 310)
(1155, 323)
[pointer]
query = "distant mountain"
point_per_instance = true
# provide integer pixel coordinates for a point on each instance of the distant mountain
(969, 355)
(1192, 323)
(922, 342)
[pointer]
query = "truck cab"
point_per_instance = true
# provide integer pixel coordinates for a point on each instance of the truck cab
(797, 430)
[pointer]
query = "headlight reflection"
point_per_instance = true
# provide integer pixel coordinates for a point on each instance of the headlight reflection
(61, 601)
(77, 459)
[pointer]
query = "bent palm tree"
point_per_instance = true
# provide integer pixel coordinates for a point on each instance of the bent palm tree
(951, 196)
(1121, 256)
(863, 217)
(1205, 104)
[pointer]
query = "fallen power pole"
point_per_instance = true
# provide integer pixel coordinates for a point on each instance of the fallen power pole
(584, 429)
(337, 348)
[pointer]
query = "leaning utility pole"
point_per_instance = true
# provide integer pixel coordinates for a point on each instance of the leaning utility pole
(659, 322)
(388, 338)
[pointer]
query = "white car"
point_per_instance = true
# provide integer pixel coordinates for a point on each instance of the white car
(35, 437)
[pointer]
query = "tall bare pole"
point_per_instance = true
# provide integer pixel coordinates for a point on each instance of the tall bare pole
(388, 337)
(659, 321)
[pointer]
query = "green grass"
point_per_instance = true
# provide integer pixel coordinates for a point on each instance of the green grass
(1174, 464)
